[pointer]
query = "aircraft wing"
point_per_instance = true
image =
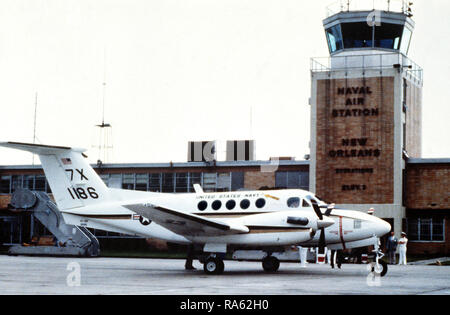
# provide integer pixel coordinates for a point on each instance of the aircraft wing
(185, 224)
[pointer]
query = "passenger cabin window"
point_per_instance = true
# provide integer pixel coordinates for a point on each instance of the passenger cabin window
(260, 203)
(245, 204)
(293, 202)
(202, 205)
(231, 204)
(216, 205)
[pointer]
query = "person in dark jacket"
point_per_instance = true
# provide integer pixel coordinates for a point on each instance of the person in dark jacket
(391, 248)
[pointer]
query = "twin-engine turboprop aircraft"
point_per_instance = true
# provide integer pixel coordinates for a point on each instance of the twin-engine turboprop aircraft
(219, 222)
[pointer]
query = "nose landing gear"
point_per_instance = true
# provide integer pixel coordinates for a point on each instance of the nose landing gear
(379, 266)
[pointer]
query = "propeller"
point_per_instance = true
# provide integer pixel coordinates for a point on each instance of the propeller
(329, 209)
(322, 225)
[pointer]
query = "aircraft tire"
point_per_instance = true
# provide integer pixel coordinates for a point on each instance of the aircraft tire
(270, 264)
(214, 266)
(384, 266)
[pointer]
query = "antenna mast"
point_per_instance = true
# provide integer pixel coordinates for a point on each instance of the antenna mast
(35, 115)
(105, 134)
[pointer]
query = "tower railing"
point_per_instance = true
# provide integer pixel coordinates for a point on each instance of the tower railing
(368, 62)
(400, 6)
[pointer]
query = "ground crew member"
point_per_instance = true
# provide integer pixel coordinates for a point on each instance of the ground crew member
(303, 252)
(402, 249)
(190, 258)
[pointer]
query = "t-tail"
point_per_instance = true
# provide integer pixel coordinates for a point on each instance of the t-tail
(73, 181)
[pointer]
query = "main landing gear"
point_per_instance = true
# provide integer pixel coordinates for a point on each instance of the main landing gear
(213, 265)
(270, 264)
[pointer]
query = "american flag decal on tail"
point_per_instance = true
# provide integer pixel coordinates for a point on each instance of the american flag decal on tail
(66, 161)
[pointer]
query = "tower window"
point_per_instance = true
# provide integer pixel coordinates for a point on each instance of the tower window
(334, 37)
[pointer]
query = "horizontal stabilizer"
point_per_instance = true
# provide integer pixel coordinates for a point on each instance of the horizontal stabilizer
(39, 148)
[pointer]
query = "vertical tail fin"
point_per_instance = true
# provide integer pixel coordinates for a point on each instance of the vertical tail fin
(73, 181)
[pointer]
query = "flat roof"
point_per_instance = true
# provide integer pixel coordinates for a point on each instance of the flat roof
(413, 161)
(429, 161)
(177, 165)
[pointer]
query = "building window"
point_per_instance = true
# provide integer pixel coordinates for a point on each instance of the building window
(128, 181)
(426, 229)
(292, 180)
(237, 181)
(115, 181)
(168, 183)
(105, 178)
(223, 182)
(16, 182)
(5, 183)
(39, 183)
(194, 178)
(142, 182)
(155, 182)
(209, 182)
(28, 182)
(181, 182)
(48, 190)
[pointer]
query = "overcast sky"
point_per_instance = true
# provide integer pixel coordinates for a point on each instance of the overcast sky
(181, 70)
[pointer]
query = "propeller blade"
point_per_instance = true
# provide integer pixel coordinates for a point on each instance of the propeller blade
(322, 242)
(316, 209)
(329, 209)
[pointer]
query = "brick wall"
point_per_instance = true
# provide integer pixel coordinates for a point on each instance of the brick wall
(361, 109)
(256, 180)
(428, 186)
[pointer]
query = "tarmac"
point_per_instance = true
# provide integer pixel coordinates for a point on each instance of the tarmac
(20, 275)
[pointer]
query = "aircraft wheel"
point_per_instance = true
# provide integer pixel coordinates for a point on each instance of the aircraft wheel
(384, 269)
(270, 264)
(214, 266)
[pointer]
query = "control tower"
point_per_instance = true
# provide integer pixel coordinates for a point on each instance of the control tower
(366, 104)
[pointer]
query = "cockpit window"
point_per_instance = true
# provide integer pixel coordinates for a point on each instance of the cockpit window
(305, 204)
(293, 202)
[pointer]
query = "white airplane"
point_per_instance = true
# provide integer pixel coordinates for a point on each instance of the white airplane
(220, 222)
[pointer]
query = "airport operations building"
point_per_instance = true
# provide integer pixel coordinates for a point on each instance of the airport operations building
(365, 149)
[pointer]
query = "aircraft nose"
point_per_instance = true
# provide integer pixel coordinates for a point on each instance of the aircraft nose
(382, 228)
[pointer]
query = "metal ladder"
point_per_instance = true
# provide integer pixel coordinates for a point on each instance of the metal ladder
(71, 240)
